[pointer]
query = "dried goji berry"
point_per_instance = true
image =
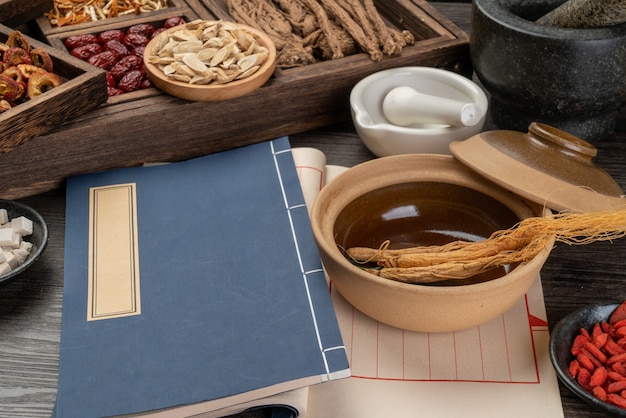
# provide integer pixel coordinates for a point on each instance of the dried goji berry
(585, 361)
(596, 330)
(619, 368)
(595, 352)
(574, 367)
(579, 342)
(584, 377)
(618, 314)
(600, 340)
(614, 387)
(616, 358)
(616, 400)
(599, 376)
(620, 323)
(600, 393)
(585, 333)
(612, 348)
(615, 376)
(599, 363)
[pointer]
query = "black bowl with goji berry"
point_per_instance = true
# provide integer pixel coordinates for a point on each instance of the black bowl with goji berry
(120, 53)
(588, 352)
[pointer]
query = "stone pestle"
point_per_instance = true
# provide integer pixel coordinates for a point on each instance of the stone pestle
(581, 14)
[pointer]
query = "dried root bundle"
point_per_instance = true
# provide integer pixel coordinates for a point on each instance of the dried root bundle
(307, 31)
(462, 259)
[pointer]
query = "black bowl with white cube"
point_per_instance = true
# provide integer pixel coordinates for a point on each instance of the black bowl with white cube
(23, 238)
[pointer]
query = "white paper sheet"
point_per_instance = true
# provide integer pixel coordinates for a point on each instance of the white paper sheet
(498, 369)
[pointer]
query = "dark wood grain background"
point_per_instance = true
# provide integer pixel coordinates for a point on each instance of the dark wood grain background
(30, 307)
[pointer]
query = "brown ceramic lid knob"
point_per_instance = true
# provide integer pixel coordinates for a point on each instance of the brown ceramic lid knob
(546, 165)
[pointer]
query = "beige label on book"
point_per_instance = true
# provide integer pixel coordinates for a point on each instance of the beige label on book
(113, 253)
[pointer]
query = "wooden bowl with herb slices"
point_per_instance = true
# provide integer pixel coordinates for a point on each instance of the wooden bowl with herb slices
(210, 61)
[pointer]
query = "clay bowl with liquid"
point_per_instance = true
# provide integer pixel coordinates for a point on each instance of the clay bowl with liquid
(420, 199)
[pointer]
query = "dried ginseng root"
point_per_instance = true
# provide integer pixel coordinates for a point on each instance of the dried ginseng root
(265, 17)
(599, 364)
(463, 259)
(307, 31)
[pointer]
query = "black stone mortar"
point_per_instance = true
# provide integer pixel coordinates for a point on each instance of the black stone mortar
(572, 79)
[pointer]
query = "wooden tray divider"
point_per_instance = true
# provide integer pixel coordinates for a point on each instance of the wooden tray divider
(157, 18)
(46, 28)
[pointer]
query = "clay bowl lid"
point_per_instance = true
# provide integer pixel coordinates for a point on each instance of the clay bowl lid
(230, 33)
(546, 165)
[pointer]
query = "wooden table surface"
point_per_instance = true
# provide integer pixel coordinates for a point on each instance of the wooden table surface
(30, 307)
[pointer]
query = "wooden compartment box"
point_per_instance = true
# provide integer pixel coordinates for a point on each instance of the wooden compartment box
(14, 13)
(154, 18)
(163, 128)
(83, 88)
(173, 7)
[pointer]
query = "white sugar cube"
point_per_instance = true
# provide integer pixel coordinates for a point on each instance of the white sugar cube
(20, 255)
(4, 268)
(22, 225)
(9, 238)
(13, 249)
(12, 260)
(26, 246)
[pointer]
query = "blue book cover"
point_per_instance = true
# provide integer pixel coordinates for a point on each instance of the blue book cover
(191, 287)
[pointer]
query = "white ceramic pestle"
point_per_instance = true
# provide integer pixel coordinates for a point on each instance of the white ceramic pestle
(406, 106)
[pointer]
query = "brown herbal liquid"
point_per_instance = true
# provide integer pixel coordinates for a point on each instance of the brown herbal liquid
(423, 214)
